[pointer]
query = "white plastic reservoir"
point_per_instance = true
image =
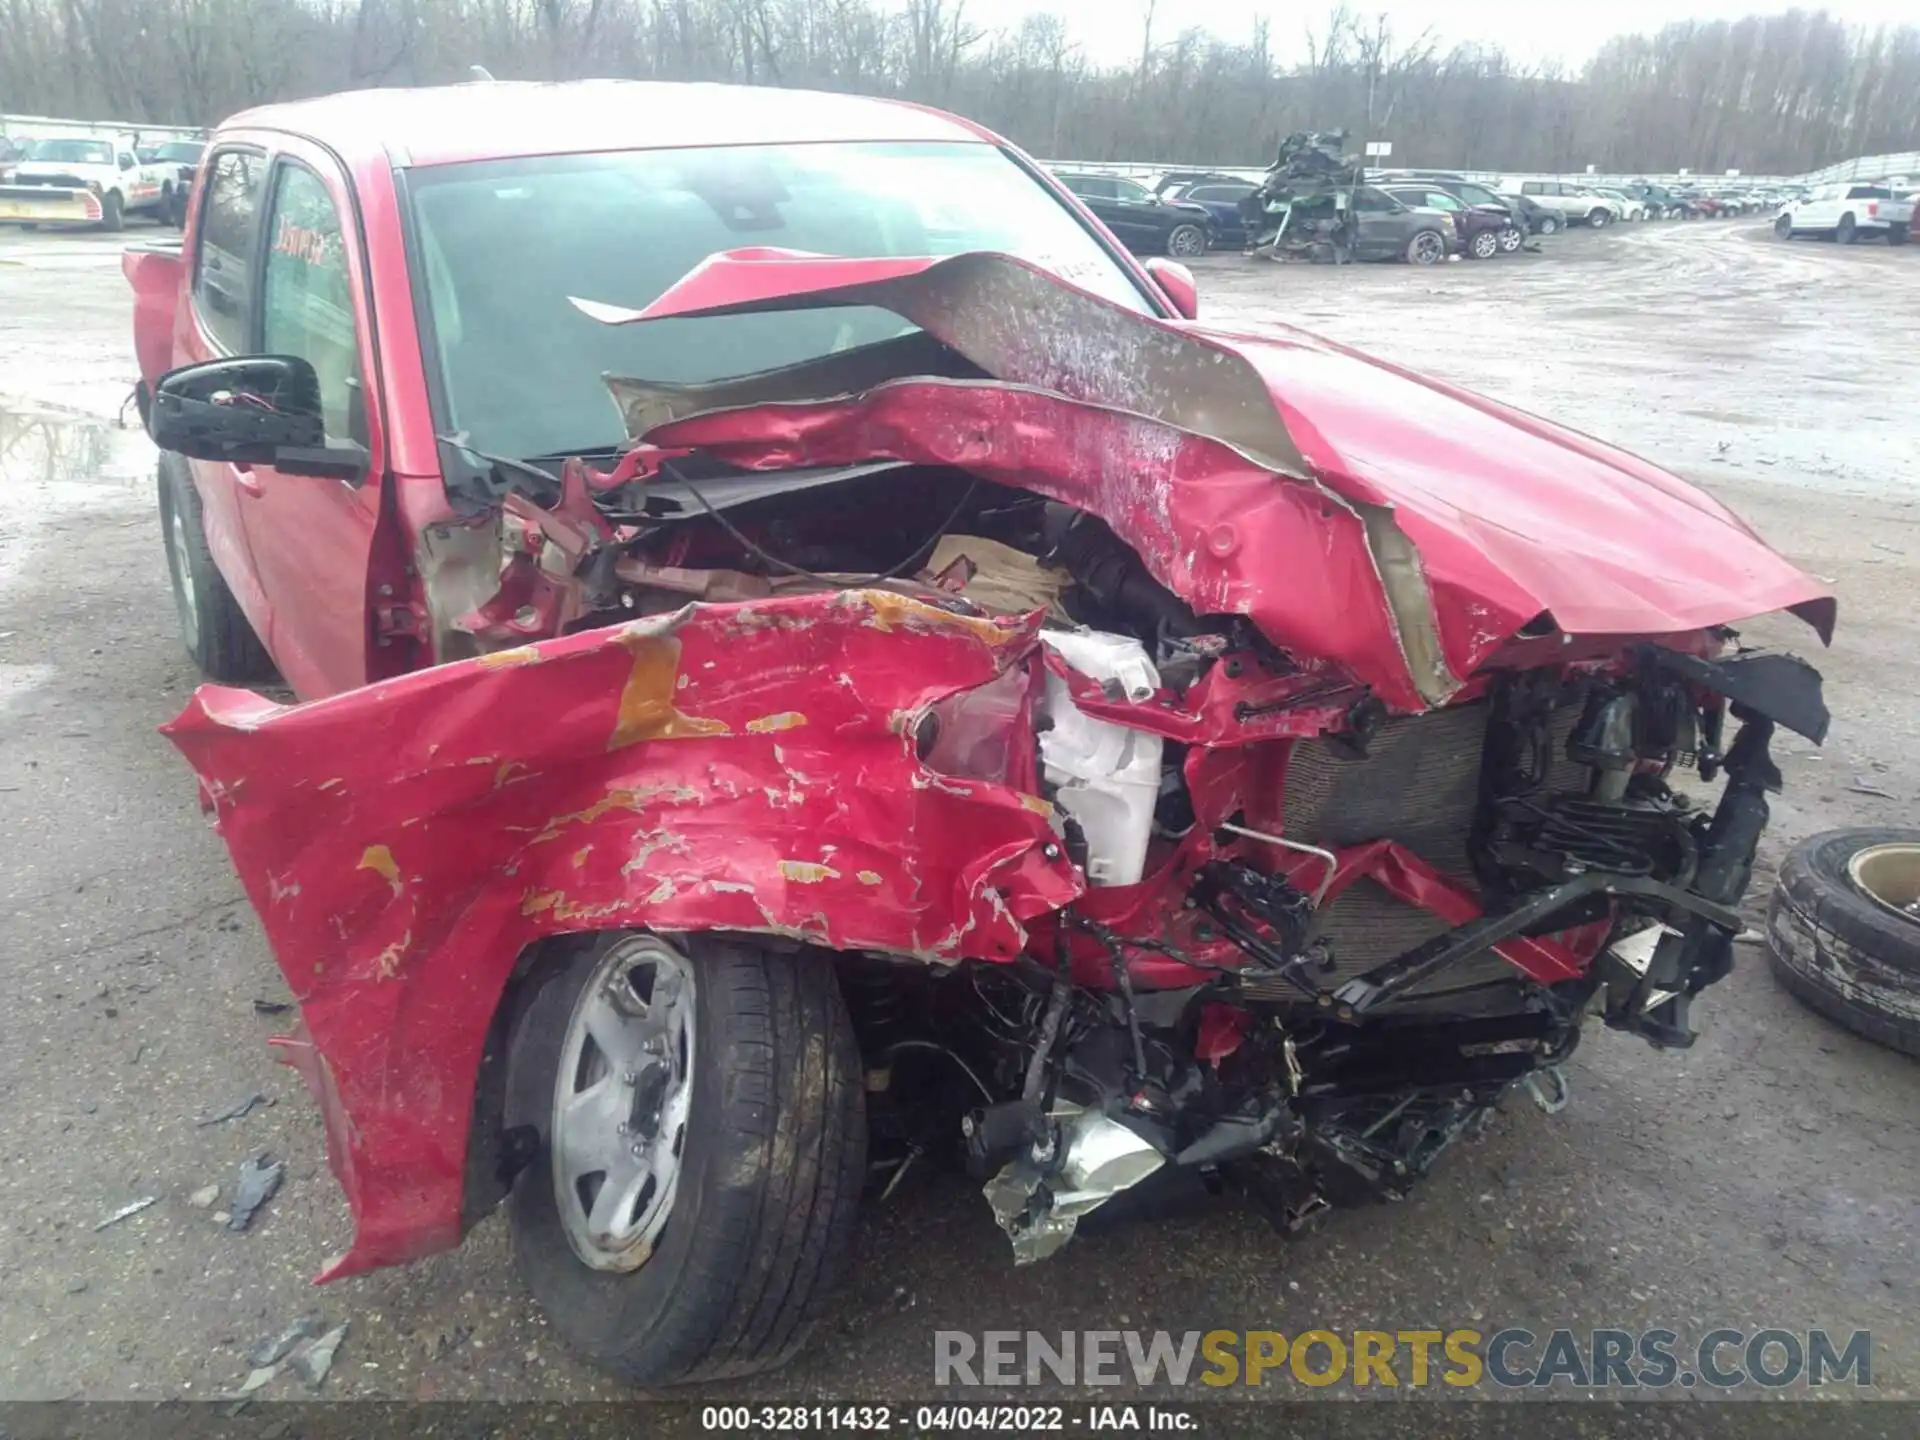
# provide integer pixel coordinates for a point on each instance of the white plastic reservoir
(1106, 776)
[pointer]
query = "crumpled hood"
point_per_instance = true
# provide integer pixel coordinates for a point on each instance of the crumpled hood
(1467, 520)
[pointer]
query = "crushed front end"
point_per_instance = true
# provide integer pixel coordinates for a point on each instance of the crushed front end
(1201, 754)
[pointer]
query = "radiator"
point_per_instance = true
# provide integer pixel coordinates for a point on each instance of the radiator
(1420, 785)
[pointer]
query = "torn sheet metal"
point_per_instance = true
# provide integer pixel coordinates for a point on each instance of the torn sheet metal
(1474, 519)
(736, 767)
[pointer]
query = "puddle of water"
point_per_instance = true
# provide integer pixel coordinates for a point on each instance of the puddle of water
(47, 446)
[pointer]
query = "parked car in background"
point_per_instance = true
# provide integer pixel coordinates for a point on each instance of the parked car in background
(1539, 220)
(1471, 191)
(1632, 207)
(1575, 204)
(179, 161)
(1221, 198)
(1178, 179)
(1478, 232)
(82, 177)
(1390, 229)
(1661, 203)
(1142, 221)
(1847, 213)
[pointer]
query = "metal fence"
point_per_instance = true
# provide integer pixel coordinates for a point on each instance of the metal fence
(1867, 167)
(36, 127)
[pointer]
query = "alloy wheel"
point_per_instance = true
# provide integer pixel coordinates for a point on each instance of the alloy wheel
(620, 1103)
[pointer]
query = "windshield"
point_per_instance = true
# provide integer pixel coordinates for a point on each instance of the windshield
(500, 246)
(180, 152)
(73, 152)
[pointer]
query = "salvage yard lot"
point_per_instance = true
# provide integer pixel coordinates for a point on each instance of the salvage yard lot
(1765, 1177)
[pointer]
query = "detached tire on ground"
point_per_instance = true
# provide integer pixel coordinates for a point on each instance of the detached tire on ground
(1599, 218)
(217, 635)
(1838, 949)
(1783, 227)
(700, 1110)
(1549, 224)
(113, 211)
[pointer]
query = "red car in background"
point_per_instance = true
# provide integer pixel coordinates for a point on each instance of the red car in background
(811, 657)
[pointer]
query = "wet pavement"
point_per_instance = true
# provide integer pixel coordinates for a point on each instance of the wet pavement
(1766, 1177)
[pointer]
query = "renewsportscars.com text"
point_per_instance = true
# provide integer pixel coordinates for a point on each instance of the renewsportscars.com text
(1511, 1358)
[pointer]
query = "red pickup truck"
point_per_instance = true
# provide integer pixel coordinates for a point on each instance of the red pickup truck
(811, 658)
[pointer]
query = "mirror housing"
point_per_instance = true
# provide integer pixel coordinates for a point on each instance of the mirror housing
(251, 410)
(1177, 284)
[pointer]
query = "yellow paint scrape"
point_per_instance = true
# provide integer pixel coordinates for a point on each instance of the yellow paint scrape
(647, 711)
(379, 859)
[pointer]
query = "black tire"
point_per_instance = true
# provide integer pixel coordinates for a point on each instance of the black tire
(1485, 245)
(1549, 224)
(1846, 231)
(1896, 235)
(217, 635)
(1426, 247)
(1783, 227)
(1599, 217)
(30, 226)
(773, 1165)
(1840, 952)
(1186, 241)
(113, 212)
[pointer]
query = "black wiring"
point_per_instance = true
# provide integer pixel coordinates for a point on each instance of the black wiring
(905, 567)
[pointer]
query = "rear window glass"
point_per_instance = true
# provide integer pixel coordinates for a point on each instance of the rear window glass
(1870, 192)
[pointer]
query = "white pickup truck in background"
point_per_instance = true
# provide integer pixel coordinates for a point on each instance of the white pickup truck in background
(66, 178)
(1847, 213)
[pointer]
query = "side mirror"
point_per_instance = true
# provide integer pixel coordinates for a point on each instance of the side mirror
(254, 410)
(1176, 283)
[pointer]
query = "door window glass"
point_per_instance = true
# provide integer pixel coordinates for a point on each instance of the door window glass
(229, 223)
(306, 302)
(1127, 190)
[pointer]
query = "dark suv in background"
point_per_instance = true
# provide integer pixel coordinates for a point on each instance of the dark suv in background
(1141, 220)
(1483, 230)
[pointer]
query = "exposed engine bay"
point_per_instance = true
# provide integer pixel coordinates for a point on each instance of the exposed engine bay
(1313, 1036)
(1200, 753)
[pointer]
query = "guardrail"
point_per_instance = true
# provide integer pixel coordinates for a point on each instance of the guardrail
(38, 127)
(1867, 167)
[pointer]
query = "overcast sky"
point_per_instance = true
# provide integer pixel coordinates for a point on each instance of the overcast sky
(1109, 31)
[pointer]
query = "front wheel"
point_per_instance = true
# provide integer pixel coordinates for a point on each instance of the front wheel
(1783, 227)
(1186, 241)
(1484, 246)
(218, 637)
(1846, 232)
(1428, 247)
(701, 1117)
(1549, 224)
(1598, 217)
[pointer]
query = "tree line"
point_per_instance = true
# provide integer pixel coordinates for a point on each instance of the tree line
(1781, 93)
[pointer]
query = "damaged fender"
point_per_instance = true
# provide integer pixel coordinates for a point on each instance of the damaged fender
(743, 767)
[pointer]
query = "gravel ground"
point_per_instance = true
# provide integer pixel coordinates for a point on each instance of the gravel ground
(1765, 1177)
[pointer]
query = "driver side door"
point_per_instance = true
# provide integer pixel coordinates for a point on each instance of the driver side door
(311, 537)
